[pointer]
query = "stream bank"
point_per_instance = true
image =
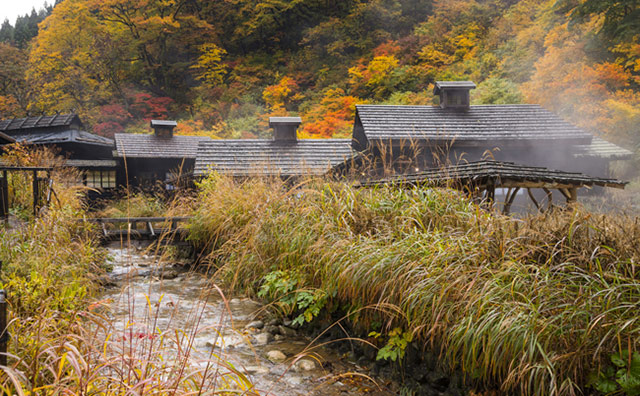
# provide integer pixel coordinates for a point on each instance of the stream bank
(146, 299)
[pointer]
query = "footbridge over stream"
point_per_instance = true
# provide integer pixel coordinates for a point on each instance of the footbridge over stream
(164, 229)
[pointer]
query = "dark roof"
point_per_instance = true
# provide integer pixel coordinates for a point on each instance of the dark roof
(43, 121)
(284, 121)
(435, 125)
(71, 163)
(600, 148)
(151, 146)
(453, 85)
(500, 174)
(255, 157)
(163, 123)
(68, 136)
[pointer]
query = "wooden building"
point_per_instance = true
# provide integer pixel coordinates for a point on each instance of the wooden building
(401, 139)
(90, 153)
(284, 156)
(154, 160)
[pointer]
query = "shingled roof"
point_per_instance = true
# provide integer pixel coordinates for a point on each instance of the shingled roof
(261, 157)
(436, 125)
(67, 136)
(151, 146)
(600, 148)
(499, 174)
(37, 122)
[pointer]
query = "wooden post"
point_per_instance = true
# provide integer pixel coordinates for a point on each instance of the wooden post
(509, 200)
(549, 197)
(573, 194)
(533, 199)
(4, 196)
(36, 192)
(4, 334)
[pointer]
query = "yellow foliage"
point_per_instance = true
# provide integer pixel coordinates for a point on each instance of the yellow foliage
(209, 65)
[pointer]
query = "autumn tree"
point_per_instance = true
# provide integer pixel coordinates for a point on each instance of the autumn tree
(14, 92)
(211, 70)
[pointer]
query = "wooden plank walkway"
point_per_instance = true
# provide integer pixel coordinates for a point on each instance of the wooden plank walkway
(141, 228)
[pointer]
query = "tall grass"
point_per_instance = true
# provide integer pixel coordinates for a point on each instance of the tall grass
(62, 340)
(530, 306)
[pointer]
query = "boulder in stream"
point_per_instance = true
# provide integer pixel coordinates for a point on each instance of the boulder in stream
(256, 324)
(263, 338)
(276, 356)
(304, 365)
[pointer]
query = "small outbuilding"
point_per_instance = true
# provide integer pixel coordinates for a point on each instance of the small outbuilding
(90, 153)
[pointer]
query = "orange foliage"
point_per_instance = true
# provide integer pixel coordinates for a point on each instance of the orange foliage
(278, 96)
(591, 95)
(333, 117)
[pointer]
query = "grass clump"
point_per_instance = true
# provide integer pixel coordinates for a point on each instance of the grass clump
(532, 306)
(138, 204)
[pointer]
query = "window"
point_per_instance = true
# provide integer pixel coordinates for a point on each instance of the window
(101, 178)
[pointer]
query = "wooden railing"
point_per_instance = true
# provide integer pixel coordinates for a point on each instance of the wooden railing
(152, 227)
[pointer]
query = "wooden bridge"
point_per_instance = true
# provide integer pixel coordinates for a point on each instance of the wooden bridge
(142, 228)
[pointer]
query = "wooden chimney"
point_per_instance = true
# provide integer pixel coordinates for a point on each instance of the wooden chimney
(285, 129)
(454, 94)
(163, 128)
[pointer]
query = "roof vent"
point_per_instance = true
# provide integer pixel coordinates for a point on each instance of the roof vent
(285, 128)
(454, 94)
(163, 128)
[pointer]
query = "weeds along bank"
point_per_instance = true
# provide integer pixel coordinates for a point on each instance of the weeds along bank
(61, 338)
(545, 305)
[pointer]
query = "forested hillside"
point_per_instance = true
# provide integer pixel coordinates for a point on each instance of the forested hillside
(223, 67)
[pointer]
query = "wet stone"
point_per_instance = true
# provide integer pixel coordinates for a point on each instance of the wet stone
(304, 365)
(168, 275)
(294, 380)
(276, 356)
(287, 332)
(256, 324)
(263, 338)
(256, 370)
(272, 329)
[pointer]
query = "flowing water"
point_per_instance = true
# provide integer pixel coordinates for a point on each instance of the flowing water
(147, 299)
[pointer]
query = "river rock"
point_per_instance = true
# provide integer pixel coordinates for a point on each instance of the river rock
(256, 324)
(256, 370)
(263, 338)
(276, 356)
(272, 329)
(304, 365)
(227, 341)
(168, 275)
(287, 332)
(294, 380)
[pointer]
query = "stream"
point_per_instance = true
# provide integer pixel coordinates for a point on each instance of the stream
(147, 299)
